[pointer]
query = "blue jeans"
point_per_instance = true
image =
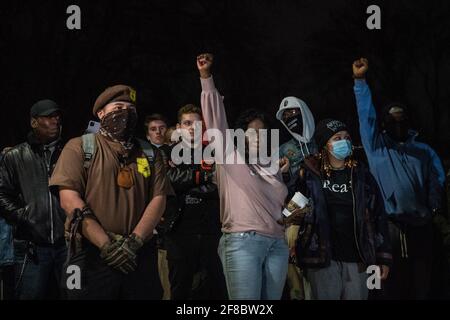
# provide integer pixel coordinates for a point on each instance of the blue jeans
(37, 268)
(6, 244)
(255, 266)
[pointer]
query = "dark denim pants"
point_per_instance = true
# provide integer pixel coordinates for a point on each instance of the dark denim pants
(38, 270)
(98, 281)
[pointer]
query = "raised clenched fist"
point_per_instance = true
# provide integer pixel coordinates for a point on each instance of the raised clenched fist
(360, 68)
(204, 63)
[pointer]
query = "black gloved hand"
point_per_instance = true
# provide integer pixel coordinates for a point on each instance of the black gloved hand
(133, 243)
(121, 252)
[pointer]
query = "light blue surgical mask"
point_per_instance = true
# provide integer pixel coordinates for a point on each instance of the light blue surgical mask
(341, 149)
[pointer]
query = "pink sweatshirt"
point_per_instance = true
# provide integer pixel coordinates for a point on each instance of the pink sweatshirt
(248, 201)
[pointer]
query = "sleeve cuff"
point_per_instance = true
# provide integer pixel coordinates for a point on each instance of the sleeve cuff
(57, 186)
(208, 84)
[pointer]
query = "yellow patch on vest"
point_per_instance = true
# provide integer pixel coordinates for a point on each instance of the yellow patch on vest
(143, 167)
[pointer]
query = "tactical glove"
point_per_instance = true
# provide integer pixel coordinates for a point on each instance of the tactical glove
(120, 253)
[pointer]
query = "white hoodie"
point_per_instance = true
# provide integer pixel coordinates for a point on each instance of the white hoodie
(307, 118)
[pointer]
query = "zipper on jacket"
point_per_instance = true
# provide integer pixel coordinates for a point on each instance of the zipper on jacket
(51, 218)
(354, 217)
(52, 241)
(47, 171)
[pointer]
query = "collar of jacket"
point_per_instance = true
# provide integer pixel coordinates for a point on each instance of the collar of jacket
(412, 135)
(36, 144)
(33, 140)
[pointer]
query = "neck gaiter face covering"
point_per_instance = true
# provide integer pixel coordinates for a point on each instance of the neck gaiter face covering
(295, 124)
(119, 125)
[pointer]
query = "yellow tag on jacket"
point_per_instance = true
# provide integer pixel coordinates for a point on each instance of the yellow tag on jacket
(143, 167)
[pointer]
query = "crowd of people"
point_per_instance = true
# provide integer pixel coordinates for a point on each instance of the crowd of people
(137, 224)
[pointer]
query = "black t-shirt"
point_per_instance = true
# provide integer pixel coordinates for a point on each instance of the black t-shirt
(338, 192)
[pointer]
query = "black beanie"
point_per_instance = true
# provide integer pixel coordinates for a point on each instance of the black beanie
(327, 128)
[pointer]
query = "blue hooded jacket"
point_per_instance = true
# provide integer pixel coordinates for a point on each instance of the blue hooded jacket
(410, 175)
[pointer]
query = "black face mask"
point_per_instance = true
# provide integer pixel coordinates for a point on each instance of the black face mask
(295, 124)
(397, 130)
(119, 125)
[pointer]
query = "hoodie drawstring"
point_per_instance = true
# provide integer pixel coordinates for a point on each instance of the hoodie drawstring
(307, 149)
(301, 149)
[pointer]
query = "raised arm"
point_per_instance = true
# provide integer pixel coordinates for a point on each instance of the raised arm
(368, 126)
(213, 108)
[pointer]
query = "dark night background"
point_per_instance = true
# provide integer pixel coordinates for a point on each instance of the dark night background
(264, 50)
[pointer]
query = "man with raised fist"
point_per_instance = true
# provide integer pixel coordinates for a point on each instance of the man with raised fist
(411, 180)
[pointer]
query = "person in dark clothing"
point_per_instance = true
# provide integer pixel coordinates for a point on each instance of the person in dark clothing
(295, 115)
(411, 180)
(6, 256)
(345, 232)
(195, 270)
(27, 203)
(155, 129)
